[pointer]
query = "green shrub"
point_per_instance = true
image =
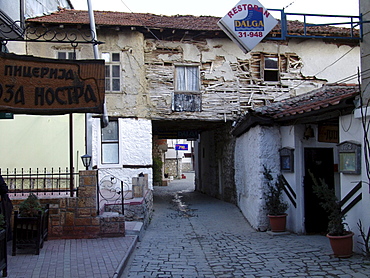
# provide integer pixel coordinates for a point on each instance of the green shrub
(157, 169)
(30, 207)
(274, 203)
(331, 205)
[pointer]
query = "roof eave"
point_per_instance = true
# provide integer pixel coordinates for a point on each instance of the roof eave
(253, 119)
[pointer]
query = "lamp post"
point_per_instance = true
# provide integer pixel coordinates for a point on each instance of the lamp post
(86, 160)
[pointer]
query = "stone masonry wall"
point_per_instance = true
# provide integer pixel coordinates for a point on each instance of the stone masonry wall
(138, 209)
(216, 172)
(173, 167)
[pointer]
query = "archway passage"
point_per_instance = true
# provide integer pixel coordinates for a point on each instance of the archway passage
(212, 153)
(320, 162)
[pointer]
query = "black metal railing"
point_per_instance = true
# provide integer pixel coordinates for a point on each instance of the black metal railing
(40, 181)
(111, 194)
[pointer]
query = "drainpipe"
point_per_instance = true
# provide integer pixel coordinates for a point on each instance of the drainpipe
(105, 120)
(88, 116)
(93, 29)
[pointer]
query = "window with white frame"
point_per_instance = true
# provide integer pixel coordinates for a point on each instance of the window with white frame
(271, 68)
(112, 71)
(110, 143)
(187, 95)
(187, 79)
(70, 55)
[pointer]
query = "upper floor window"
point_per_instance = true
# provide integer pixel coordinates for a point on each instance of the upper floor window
(110, 143)
(112, 71)
(271, 69)
(70, 55)
(187, 95)
(187, 79)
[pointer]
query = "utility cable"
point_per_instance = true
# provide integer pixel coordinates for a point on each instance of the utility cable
(337, 60)
(303, 81)
(287, 6)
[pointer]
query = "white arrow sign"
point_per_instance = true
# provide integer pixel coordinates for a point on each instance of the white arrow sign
(247, 23)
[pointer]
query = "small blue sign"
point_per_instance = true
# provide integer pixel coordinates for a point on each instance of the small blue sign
(181, 147)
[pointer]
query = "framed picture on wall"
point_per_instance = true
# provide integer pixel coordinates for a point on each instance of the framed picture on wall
(287, 159)
(349, 158)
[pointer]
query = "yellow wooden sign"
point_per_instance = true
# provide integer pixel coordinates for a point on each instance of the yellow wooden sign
(328, 133)
(41, 86)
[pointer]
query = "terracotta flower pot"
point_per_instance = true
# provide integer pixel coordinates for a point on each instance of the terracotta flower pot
(278, 222)
(342, 245)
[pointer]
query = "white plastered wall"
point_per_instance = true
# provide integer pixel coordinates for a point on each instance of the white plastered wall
(135, 149)
(291, 138)
(254, 149)
(351, 130)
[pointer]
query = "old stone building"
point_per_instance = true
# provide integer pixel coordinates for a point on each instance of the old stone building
(181, 77)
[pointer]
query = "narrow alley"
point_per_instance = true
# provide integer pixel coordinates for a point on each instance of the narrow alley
(193, 235)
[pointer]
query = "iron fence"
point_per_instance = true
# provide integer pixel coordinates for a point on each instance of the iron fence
(40, 182)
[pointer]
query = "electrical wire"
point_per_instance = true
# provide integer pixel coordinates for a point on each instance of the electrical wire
(287, 6)
(126, 6)
(328, 66)
(343, 80)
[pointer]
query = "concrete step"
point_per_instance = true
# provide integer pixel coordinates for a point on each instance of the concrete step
(134, 228)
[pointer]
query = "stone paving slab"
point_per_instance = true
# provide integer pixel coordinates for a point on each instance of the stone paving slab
(193, 235)
(67, 258)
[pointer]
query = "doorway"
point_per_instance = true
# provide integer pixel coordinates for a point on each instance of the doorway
(320, 162)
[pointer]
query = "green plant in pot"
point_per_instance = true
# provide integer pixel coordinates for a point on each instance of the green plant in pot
(30, 207)
(340, 239)
(30, 228)
(274, 204)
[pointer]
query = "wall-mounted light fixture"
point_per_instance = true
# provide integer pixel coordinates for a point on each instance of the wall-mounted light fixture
(308, 133)
(86, 160)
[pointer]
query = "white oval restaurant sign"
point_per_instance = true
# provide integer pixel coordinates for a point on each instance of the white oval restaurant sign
(247, 23)
(41, 86)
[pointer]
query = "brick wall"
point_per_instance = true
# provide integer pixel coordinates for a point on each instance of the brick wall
(76, 217)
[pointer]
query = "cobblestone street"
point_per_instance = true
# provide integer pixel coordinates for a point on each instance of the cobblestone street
(193, 235)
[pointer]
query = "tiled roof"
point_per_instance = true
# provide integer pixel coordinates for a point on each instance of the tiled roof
(188, 22)
(184, 22)
(329, 95)
(329, 98)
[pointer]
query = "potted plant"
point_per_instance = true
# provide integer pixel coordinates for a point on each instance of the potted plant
(30, 207)
(341, 240)
(30, 225)
(274, 204)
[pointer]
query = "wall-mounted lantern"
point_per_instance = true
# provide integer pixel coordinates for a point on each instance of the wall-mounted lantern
(308, 133)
